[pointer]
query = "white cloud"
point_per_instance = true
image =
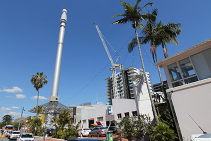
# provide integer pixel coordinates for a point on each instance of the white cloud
(13, 90)
(3, 109)
(20, 96)
(14, 114)
(13, 107)
(40, 97)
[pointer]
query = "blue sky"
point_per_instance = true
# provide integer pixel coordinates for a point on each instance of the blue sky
(29, 36)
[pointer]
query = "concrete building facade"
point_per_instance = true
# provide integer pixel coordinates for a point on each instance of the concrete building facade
(125, 89)
(188, 75)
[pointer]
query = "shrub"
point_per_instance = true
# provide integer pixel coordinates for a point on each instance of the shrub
(162, 132)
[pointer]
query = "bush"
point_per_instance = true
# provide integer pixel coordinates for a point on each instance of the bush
(162, 132)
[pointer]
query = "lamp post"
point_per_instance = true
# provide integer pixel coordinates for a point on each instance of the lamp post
(20, 118)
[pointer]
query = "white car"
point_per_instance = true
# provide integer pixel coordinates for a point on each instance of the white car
(14, 135)
(7, 133)
(201, 137)
(84, 132)
(26, 137)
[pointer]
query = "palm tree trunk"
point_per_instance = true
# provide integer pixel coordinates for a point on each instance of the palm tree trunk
(150, 96)
(167, 101)
(37, 104)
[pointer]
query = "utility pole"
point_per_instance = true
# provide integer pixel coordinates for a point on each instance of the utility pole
(20, 119)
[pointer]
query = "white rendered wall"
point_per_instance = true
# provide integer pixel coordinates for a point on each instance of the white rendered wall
(193, 99)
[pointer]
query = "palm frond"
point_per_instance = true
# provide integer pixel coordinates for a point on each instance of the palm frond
(117, 15)
(149, 3)
(121, 21)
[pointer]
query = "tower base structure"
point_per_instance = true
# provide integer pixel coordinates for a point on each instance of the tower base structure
(51, 109)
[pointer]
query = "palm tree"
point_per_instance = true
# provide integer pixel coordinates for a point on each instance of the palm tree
(38, 81)
(168, 34)
(158, 34)
(64, 118)
(132, 14)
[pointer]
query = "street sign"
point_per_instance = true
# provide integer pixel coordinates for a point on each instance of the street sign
(109, 110)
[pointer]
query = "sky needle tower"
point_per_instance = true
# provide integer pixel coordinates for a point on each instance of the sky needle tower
(55, 85)
(53, 107)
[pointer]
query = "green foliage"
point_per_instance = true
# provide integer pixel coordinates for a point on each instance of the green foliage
(38, 80)
(64, 118)
(162, 132)
(128, 130)
(7, 119)
(2, 124)
(15, 125)
(35, 122)
(132, 14)
(142, 127)
(165, 117)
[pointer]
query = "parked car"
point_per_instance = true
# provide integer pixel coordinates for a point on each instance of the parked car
(202, 137)
(26, 137)
(50, 132)
(84, 132)
(7, 133)
(98, 131)
(14, 135)
(112, 128)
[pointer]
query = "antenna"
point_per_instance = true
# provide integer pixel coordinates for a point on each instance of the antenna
(199, 126)
(65, 5)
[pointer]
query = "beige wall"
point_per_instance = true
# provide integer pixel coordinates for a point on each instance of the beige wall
(195, 100)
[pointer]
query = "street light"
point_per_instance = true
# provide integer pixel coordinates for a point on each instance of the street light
(20, 118)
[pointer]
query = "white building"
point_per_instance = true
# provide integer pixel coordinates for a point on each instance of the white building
(91, 114)
(121, 107)
(188, 75)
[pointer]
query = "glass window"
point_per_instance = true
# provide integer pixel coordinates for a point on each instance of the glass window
(186, 67)
(179, 83)
(174, 72)
(127, 114)
(134, 113)
(119, 116)
(190, 80)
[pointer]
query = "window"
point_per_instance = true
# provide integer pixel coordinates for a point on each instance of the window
(134, 113)
(127, 114)
(182, 72)
(100, 119)
(119, 116)
(174, 72)
(202, 65)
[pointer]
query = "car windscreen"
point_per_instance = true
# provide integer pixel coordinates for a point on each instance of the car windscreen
(26, 136)
(86, 129)
(15, 132)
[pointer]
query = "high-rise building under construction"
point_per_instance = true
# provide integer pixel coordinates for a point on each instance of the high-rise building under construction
(124, 80)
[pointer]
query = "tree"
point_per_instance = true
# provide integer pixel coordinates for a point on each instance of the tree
(168, 34)
(7, 119)
(38, 81)
(157, 34)
(142, 127)
(54, 122)
(162, 132)
(128, 127)
(132, 14)
(35, 122)
(64, 118)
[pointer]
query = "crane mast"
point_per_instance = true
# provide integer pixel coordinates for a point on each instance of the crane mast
(114, 66)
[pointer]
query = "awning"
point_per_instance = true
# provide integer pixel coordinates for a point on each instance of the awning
(98, 123)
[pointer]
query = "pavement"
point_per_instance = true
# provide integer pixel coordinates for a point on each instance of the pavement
(115, 138)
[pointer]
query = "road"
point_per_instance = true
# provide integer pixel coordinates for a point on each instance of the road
(36, 139)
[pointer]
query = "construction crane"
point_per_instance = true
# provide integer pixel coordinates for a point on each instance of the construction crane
(114, 65)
